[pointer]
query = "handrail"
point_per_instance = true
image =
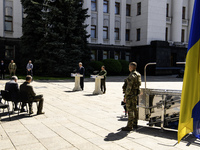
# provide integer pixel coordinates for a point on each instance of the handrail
(145, 80)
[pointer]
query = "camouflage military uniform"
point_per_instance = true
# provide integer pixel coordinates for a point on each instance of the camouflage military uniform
(131, 89)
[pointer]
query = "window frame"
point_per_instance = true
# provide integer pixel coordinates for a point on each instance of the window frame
(6, 20)
(167, 10)
(94, 2)
(117, 7)
(10, 48)
(105, 27)
(127, 31)
(139, 8)
(183, 12)
(106, 5)
(128, 9)
(95, 30)
(117, 33)
(138, 31)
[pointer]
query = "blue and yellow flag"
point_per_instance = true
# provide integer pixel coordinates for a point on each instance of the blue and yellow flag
(190, 105)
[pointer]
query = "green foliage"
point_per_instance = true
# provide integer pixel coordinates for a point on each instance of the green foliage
(125, 65)
(63, 41)
(96, 65)
(113, 67)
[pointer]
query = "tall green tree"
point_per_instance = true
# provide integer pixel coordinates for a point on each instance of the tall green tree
(64, 41)
(33, 30)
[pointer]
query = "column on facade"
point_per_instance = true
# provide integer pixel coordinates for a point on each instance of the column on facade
(17, 18)
(112, 21)
(100, 21)
(190, 12)
(87, 5)
(123, 22)
(1, 19)
(177, 20)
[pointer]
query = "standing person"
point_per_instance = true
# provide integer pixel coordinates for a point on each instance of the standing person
(13, 88)
(131, 90)
(81, 71)
(29, 68)
(2, 70)
(103, 73)
(12, 67)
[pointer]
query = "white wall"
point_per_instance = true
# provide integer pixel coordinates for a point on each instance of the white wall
(1, 18)
(156, 20)
(17, 18)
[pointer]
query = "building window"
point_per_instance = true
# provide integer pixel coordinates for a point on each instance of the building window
(167, 10)
(183, 12)
(116, 33)
(128, 10)
(93, 55)
(105, 6)
(117, 8)
(105, 55)
(8, 16)
(183, 35)
(105, 32)
(166, 34)
(117, 55)
(93, 31)
(94, 5)
(127, 35)
(138, 34)
(9, 52)
(139, 8)
(127, 56)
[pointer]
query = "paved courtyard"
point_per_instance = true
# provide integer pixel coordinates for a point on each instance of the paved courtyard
(82, 121)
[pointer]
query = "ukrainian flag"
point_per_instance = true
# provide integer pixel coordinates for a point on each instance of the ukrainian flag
(190, 105)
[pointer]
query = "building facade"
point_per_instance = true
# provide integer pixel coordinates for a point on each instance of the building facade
(118, 28)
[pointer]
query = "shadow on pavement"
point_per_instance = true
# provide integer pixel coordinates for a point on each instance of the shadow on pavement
(116, 136)
(16, 116)
(90, 94)
(169, 134)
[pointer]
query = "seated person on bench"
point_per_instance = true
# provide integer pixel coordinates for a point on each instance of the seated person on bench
(28, 89)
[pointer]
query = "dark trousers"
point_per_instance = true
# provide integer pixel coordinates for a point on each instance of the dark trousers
(30, 72)
(37, 98)
(82, 82)
(2, 74)
(103, 85)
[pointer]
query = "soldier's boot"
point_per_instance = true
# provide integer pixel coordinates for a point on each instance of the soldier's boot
(127, 128)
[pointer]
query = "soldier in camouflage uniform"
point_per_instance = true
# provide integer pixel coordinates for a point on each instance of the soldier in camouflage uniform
(131, 89)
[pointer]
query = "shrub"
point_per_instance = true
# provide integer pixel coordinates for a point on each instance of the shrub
(113, 67)
(95, 66)
(125, 65)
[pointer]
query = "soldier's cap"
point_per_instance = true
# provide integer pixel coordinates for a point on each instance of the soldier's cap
(133, 64)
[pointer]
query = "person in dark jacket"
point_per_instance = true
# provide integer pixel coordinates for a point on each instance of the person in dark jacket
(2, 70)
(28, 89)
(81, 71)
(13, 88)
(103, 73)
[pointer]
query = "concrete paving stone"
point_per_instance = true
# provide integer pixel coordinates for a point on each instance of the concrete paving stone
(14, 126)
(40, 131)
(21, 138)
(70, 136)
(83, 132)
(112, 146)
(87, 146)
(133, 146)
(80, 120)
(6, 144)
(34, 146)
(55, 143)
